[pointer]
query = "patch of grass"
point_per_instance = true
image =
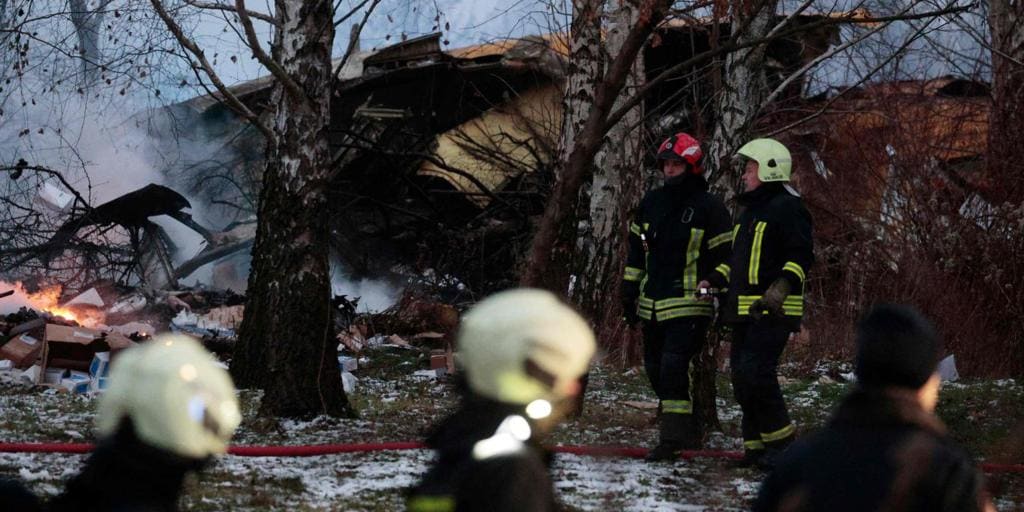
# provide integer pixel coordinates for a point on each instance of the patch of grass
(981, 414)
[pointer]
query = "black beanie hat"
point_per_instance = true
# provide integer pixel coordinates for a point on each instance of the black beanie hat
(896, 346)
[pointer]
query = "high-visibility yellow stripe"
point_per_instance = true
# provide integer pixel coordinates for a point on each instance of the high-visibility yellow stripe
(684, 312)
(779, 434)
(755, 252)
(720, 239)
(441, 503)
(633, 274)
(792, 306)
(676, 407)
(635, 229)
(646, 302)
(754, 445)
(679, 301)
(646, 314)
(724, 269)
(735, 230)
(692, 254)
(796, 269)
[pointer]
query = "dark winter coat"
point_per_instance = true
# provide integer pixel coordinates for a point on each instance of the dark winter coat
(680, 233)
(15, 497)
(515, 480)
(880, 452)
(124, 474)
(771, 240)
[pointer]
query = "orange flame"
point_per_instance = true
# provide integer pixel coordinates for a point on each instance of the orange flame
(48, 300)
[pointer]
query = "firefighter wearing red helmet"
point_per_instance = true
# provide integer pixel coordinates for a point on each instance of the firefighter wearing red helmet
(680, 231)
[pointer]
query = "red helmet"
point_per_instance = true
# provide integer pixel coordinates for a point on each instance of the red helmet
(684, 148)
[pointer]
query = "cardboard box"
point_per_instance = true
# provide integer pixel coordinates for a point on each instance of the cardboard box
(348, 364)
(76, 382)
(75, 347)
(98, 384)
(53, 375)
(100, 365)
(31, 375)
(22, 350)
(442, 361)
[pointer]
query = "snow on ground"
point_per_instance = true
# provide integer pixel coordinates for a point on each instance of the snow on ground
(398, 401)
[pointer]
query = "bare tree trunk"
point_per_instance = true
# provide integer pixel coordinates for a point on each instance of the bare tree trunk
(616, 186)
(88, 23)
(584, 72)
(1006, 118)
(286, 329)
(560, 209)
(744, 88)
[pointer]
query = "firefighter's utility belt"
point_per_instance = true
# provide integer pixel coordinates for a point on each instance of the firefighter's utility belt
(673, 307)
(792, 306)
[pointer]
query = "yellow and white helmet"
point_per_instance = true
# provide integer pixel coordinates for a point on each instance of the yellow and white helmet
(523, 345)
(176, 396)
(774, 162)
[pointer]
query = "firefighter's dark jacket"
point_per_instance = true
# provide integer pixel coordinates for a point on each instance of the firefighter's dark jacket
(124, 474)
(881, 451)
(680, 233)
(771, 240)
(514, 479)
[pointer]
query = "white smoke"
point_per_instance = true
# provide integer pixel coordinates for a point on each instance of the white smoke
(374, 295)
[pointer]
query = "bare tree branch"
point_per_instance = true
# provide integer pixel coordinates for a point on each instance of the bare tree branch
(212, 6)
(226, 93)
(354, 38)
(353, 11)
(732, 46)
(272, 65)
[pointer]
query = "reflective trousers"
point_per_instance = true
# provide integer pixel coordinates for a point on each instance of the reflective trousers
(669, 347)
(754, 360)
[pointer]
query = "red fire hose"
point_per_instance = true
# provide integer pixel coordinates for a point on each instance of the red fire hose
(328, 449)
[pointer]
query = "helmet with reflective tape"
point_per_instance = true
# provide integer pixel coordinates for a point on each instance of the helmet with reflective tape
(175, 395)
(774, 162)
(684, 148)
(523, 345)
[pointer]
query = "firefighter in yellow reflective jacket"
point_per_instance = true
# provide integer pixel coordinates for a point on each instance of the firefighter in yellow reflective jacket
(681, 232)
(772, 251)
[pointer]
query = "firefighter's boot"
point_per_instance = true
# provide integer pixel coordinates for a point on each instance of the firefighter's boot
(772, 452)
(676, 431)
(751, 458)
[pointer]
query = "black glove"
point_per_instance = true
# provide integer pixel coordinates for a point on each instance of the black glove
(771, 301)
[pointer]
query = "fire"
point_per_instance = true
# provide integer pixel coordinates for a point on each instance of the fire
(48, 300)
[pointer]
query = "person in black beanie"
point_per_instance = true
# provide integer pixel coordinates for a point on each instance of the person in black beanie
(884, 449)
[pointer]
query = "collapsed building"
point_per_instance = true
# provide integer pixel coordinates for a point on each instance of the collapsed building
(443, 156)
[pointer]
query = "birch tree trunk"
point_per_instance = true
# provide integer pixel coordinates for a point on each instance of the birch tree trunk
(88, 23)
(616, 186)
(573, 169)
(584, 72)
(285, 344)
(744, 88)
(1006, 118)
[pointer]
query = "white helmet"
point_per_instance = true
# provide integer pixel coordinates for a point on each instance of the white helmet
(523, 345)
(177, 397)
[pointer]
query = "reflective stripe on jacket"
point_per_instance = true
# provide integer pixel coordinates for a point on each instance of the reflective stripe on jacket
(680, 233)
(772, 240)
